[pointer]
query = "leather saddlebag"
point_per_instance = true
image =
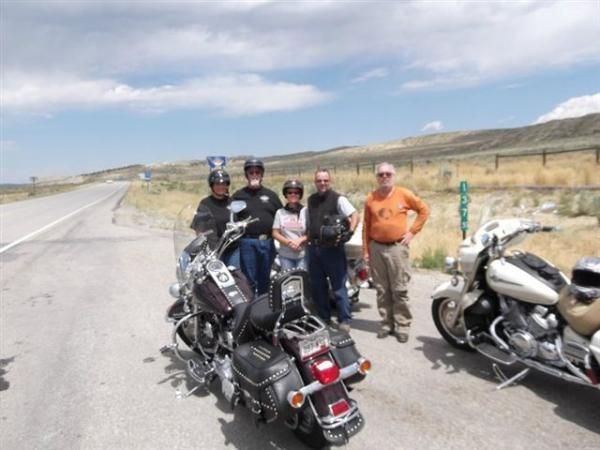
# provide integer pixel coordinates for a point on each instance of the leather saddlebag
(344, 352)
(579, 303)
(266, 375)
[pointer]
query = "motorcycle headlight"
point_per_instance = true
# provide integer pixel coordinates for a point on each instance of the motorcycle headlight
(175, 290)
(450, 264)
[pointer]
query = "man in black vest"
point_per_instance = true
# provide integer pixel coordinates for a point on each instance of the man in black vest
(326, 255)
(257, 250)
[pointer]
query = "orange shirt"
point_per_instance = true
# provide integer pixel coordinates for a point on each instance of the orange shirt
(385, 216)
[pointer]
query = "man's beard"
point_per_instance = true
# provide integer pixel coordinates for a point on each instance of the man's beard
(254, 183)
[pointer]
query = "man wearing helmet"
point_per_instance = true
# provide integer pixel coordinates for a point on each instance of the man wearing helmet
(331, 221)
(289, 227)
(212, 214)
(257, 250)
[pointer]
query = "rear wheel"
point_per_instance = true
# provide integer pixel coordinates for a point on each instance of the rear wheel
(442, 310)
(309, 431)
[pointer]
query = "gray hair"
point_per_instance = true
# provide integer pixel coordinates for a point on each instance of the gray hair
(380, 165)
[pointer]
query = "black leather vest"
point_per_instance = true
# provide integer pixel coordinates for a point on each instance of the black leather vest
(318, 207)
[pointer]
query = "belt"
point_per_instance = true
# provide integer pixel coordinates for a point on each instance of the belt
(388, 243)
(260, 237)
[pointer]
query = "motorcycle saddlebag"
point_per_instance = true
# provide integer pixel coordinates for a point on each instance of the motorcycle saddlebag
(579, 303)
(266, 375)
(344, 352)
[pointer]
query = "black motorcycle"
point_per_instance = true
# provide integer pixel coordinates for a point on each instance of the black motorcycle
(270, 354)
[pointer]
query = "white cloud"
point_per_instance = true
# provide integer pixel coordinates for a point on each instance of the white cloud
(232, 95)
(574, 107)
(435, 126)
(432, 45)
(380, 72)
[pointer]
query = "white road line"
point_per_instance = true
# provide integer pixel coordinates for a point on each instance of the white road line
(50, 225)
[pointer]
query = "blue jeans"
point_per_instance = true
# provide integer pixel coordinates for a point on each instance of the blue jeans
(232, 257)
(257, 258)
(292, 263)
(329, 263)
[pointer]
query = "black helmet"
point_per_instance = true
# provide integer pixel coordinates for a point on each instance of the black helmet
(218, 176)
(293, 184)
(254, 163)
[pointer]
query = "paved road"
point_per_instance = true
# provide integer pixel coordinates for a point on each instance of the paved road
(82, 321)
(21, 220)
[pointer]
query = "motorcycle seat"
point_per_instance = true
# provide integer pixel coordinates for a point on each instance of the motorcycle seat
(266, 309)
(242, 329)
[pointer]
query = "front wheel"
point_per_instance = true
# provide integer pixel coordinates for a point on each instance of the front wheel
(309, 431)
(442, 309)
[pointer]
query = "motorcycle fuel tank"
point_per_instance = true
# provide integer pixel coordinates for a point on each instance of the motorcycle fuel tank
(508, 279)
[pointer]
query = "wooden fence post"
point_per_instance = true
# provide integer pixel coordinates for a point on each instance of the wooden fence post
(412, 166)
(544, 158)
(597, 155)
(357, 169)
(497, 161)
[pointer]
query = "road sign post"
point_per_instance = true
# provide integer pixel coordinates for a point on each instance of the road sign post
(148, 178)
(464, 207)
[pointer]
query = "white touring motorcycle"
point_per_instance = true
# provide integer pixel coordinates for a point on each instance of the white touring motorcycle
(269, 353)
(518, 308)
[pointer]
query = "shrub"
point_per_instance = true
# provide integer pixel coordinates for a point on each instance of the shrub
(431, 259)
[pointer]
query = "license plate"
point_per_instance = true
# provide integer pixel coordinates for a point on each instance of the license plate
(314, 345)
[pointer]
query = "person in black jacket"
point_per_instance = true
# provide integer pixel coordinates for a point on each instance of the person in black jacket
(331, 221)
(212, 214)
(257, 250)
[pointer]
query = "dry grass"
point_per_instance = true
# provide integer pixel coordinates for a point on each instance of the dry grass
(579, 236)
(436, 183)
(24, 192)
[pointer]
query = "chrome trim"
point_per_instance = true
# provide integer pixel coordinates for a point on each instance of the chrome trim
(331, 422)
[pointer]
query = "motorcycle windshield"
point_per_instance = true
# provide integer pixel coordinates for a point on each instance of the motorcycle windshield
(500, 216)
(189, 233)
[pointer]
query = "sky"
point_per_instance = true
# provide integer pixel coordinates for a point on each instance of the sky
(92, 85)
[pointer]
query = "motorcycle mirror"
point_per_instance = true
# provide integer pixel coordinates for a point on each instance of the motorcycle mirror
(235, 207)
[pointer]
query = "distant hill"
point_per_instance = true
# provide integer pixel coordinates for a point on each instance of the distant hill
(566, 134)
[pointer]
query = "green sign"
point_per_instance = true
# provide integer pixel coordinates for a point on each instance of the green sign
(464, 206)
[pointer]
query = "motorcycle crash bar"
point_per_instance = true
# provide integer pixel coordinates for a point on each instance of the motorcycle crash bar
(296, 398)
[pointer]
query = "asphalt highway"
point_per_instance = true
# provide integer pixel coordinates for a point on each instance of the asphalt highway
(82, 322)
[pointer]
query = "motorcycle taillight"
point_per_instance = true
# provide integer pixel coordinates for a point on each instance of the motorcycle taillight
(325, 370)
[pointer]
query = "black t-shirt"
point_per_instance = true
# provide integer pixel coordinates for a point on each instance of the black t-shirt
(218, 216)
(261, 203)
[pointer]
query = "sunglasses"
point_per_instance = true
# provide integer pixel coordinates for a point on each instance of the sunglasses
(384, 174)
(254, 172)
(292, 193)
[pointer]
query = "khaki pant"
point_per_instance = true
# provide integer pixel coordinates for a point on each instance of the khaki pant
(390, 268)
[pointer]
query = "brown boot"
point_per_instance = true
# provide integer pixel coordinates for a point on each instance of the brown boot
(401, 337)
(383, 333)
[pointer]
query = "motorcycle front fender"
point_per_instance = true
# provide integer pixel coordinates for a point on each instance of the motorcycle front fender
(450, 290)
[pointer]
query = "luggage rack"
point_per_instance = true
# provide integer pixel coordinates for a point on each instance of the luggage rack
(302, 327)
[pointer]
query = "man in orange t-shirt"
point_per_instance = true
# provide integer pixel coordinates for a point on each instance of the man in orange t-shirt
(386, 239)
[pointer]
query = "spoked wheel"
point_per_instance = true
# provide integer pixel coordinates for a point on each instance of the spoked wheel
(309, 431)
(442, 310)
